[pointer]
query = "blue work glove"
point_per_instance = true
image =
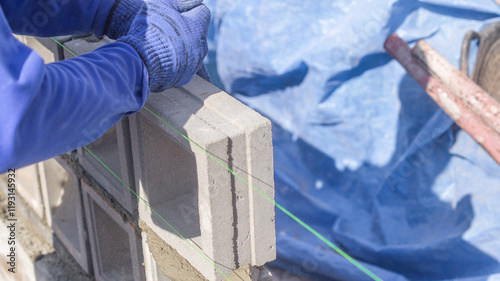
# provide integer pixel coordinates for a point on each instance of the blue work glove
(170, 37)
(121, 16)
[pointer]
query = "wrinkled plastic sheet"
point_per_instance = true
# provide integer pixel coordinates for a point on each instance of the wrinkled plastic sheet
(362, 154)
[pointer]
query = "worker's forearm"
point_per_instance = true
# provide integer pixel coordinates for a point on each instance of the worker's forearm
(53, 18)
(52, 109)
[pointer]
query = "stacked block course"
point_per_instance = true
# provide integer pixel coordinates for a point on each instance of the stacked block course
(189, 197)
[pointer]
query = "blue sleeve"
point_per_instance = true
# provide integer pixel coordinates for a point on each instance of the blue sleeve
(47, 110)
(46, 18)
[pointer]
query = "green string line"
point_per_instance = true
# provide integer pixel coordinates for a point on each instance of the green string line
(147, 204)
(63, 46)
(283, 209)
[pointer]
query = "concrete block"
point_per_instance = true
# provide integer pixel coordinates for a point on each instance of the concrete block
(28, 186)
(82, 46)
(251, 158)
(35, 258)
(238, 163)
(184, 185)
(114, 150)
(64, 211)
(116, 248)
(48, 55)
(47, 48)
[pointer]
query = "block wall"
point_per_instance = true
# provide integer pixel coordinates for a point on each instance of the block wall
(172, 209)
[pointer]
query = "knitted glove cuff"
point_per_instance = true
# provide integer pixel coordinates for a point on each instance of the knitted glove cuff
(121, 16)
(161, 64)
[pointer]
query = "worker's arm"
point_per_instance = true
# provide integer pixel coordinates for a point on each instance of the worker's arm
(46, 18)
(46, 110)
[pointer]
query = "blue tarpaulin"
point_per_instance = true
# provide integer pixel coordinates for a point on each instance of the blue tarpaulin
(362, 154)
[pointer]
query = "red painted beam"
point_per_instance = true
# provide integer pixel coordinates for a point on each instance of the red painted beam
(479, 101)
(484, 134)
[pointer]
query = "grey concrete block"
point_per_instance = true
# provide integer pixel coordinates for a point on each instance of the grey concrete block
(252, 160)
(184, 185)
(114, 150)
(48, 54)
(64, 211)
(47, 48)
(28, 186)
(116, 248)
(238, 163)
(82, 46)
(36, 259)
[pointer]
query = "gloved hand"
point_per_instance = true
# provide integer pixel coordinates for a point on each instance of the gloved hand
(121, 16)
(170, 36)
